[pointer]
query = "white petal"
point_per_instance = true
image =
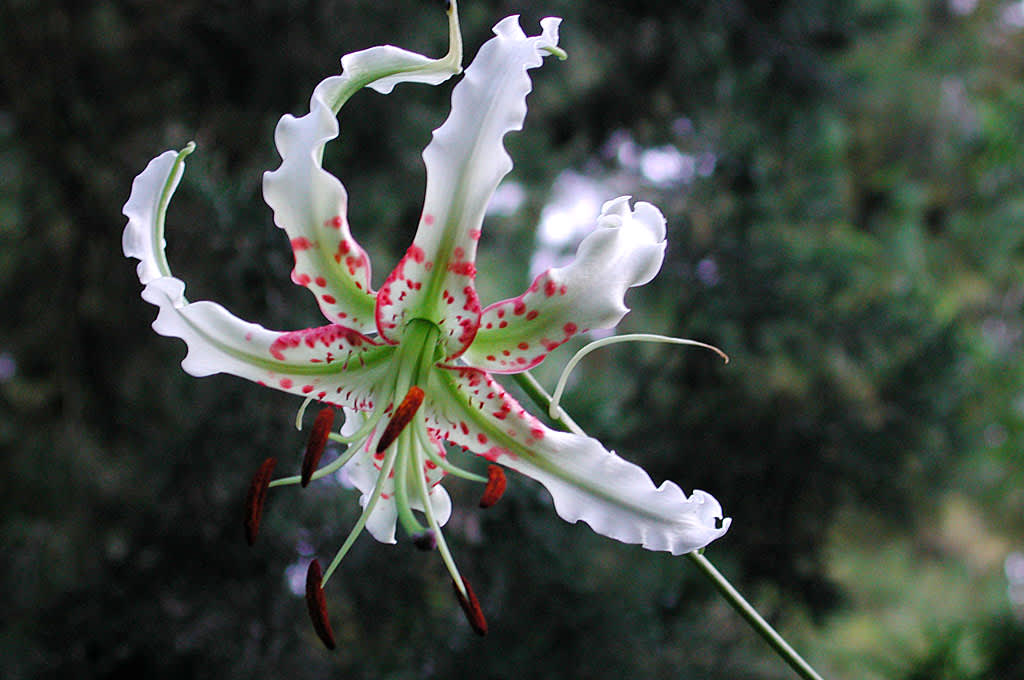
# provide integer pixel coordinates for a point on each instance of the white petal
(332, 363)
(362, 472)
(465, 161)
(625, 249)
(381, 522)
(586, 481)
(440, 502)
(143, 237)
(311, 205)
(617, 498)
(381, 68)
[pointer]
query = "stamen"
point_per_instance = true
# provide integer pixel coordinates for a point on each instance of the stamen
(331, 467)
(317, 442)
(385, 473)
(256, 498)
(495, 486)
(400, 418)
(471, 606)
(362, 431)
(317, 604)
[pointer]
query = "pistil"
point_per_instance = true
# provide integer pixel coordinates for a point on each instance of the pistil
(403, 509)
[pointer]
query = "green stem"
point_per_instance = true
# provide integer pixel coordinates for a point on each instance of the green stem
(539, 395)
(541, 398)
(756, 621)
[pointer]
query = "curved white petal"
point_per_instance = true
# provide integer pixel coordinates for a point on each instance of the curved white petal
(143, 236)
(381, 68)
(625, 249)
(465, 162)
(311, 205)
(333, 363)
(586, 481)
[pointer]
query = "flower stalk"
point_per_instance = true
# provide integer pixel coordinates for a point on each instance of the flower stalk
(753, 618)
(539, 396)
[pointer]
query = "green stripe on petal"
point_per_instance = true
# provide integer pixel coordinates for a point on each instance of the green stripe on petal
(333, 363)
(143, 236)
(625, 249)
(465, 162)
(586, 481)
(311, 205)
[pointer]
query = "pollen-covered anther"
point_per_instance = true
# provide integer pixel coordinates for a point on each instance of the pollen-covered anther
(256, 498)
(471, 606)
(425, 541)
(495, 486)
(317, 604)
(317, 442)
(402, 416)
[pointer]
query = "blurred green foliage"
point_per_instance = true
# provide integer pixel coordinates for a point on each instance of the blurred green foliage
(856, 249)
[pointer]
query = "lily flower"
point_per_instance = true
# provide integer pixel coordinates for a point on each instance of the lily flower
(413, 363)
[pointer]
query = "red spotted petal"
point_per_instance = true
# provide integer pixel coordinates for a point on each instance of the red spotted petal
(465, 162)
(586, 481)
(625, 249)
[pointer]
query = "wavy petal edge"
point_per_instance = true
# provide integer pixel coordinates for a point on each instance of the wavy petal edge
(587, 482)
(625, 250)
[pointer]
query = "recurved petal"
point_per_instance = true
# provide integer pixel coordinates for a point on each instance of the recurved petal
(311, 205)
(143, 236)
(382, 67)
(625, 249)
(465, 162)
(586, 481)
(331, 363)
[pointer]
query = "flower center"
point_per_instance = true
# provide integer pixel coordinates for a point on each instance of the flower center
(409, 460)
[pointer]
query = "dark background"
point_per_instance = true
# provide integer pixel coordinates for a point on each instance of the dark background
(844, 220)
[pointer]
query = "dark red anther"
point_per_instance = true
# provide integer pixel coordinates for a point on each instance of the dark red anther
(471, 607)
(317, 443)
(495, 486)
(256, 498)
(400, 418)
(317, 604)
